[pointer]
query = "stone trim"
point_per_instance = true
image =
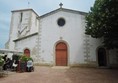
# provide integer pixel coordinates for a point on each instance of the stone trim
(84, 65)
(25, 37)
(43, 64)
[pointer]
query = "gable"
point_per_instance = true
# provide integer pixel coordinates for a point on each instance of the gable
(64, 10)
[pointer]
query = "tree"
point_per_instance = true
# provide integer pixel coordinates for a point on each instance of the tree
(102, 22)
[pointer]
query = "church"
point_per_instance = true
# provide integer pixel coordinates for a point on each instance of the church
(58, 38)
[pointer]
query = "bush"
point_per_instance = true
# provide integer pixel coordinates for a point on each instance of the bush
(29, 58)
(24, 58)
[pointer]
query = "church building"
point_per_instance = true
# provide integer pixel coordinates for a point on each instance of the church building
(57, 38)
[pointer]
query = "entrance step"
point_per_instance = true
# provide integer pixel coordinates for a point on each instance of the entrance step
(60, 67)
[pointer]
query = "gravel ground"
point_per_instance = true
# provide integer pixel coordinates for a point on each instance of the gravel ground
(63, 75)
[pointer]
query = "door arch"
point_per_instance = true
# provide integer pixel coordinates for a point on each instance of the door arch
(102, 58)
(61, 54)
(27, 52)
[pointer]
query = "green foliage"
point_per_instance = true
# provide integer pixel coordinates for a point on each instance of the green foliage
(29, 58)
(1, 61)
(16, 57)
(102, 22)
(25, 58)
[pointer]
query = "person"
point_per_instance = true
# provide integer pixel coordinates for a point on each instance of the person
(8, 62)
(14, 66)
(5, 62)
(29, 65)
(5, 58)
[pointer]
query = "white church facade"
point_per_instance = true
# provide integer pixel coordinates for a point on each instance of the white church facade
(57, 39)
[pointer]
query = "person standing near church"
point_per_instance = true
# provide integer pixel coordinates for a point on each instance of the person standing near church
(5, 60)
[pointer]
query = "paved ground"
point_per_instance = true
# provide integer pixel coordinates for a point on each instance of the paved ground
(58, 75)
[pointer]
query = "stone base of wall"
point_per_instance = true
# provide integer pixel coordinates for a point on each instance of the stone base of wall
(80, 65)
(84, 65)
(113, 65)
(43, 64)
(72, 65)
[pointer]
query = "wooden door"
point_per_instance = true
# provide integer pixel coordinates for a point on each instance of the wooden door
(102, 60)
(27, 52)
(61, 54)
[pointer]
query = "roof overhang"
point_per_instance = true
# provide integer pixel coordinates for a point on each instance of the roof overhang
(25, 37)
(10, 51)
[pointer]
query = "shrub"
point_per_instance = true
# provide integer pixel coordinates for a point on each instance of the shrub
(24, 58)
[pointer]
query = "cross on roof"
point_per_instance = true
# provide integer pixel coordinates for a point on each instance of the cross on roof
(60, 5)
(28, 3)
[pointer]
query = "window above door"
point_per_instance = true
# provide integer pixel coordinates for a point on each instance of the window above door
(61, 22)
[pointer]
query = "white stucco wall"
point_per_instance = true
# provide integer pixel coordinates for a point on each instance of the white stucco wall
(28, 19)
(72, 33)
(13, 30)
(30, 43)
(34, 24)
(82, 49)
(113, 57)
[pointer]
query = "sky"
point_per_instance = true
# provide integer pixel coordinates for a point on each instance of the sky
(39, 6)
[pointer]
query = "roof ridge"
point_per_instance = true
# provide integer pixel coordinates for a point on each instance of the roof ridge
(63, 9)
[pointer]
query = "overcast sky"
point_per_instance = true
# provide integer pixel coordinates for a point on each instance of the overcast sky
(40, 7)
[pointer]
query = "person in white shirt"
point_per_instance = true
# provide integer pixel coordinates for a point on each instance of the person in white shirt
(29, 65)
(14, 66)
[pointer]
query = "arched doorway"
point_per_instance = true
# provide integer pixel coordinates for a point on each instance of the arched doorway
(102, 59)
(27, 52)
(61, 54)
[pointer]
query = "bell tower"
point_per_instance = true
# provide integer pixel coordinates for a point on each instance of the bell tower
(23, 23)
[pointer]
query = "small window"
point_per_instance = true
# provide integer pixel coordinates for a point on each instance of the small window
(61, 22)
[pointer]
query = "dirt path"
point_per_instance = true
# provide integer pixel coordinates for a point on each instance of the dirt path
(69, 75)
